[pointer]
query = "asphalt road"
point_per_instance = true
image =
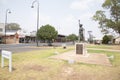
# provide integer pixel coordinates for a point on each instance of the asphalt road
(16, 48)
(24, 47)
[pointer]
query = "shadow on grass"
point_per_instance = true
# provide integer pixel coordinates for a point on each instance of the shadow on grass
(13, 69)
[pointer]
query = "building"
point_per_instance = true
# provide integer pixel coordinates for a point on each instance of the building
(60, 38)
(21, 36)
(25, 37)
(2, 30)
(97, 41)
(11, 36)
(116, 40)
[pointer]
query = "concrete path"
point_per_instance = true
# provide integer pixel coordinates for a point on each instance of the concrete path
(93, 58)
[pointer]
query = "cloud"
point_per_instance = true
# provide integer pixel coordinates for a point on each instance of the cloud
(79, 5)
(87, 16)
(70, 18)
(84, 4)
(3, 2)
(68, 25)
(45, 19)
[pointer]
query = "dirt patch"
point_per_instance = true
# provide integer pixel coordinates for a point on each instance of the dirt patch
(116, 47)
(30, 78)
(68, 73)
(35, 67)
(100, 59)
(65, 73)
(77, 76)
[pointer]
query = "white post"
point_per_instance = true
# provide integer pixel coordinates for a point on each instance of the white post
(2, 63)
(7, 55)
(10, 63)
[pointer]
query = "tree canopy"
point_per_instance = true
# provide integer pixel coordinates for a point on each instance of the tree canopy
(107, 39)
(12, 26)
(111, 22)
(47, 32)
(72, 37)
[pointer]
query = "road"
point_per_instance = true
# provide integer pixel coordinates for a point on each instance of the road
(23, 47)
(16, 48)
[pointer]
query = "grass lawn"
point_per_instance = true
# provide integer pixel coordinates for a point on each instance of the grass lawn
(116, 47)
(36, 65)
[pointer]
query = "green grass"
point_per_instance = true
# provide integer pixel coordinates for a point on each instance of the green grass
(104, 46)
(36, 65)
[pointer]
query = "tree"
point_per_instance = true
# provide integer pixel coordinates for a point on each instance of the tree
(72, 37)
(12, 27)
(47, 33)
(113, 21)
(107, 39)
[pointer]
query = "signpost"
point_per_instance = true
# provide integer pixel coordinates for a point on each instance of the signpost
(7, 55)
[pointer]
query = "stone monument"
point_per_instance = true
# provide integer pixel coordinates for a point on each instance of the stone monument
(81, 47)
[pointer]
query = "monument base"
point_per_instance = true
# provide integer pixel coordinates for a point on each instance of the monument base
(80, 48)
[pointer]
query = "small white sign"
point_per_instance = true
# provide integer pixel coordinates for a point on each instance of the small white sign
(7, 55)
(71, 61)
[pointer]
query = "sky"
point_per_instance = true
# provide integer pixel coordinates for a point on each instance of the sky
(62, 14)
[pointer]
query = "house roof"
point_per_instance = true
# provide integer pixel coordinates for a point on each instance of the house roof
(10, 33)
(97, 38)
(59, 35)
(117, 37)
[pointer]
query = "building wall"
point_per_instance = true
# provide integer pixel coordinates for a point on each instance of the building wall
(117, 41)
(11, 39)
(60, 38)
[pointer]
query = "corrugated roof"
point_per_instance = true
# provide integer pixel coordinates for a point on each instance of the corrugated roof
(10, 33)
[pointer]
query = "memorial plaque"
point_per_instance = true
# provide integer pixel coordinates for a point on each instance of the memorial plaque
(79, 48)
